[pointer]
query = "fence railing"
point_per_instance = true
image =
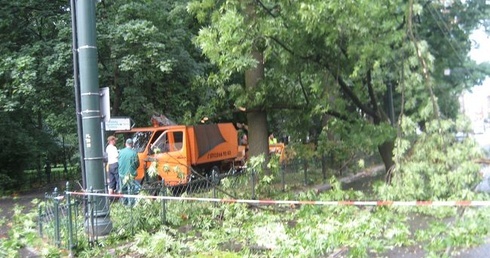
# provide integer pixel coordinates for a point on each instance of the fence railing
(67, 218)
(57, 218)
(34, 178)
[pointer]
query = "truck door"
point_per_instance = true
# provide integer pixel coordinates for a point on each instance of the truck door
(169, 151)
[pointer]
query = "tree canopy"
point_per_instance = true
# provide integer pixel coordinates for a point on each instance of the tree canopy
(341, 75)
(337, 77)
(346, 69)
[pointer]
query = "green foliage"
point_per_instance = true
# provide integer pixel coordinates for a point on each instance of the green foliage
(148, 60)
(159, 243)
(23, 232)
(203, 229)
(335, 74)
(445, 234)
(6, 183)
(328, 68)
(19, 148)
(36, 106)
(434, 166)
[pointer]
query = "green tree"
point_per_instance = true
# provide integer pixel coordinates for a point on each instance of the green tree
(360, 63)
(34, 67)
(147, 58)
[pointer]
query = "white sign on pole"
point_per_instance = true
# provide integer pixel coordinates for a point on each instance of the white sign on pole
(105, 105)
(118, 124)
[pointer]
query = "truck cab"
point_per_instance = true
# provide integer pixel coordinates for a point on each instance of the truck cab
(169, 156)
(142, 140)
(174, 152)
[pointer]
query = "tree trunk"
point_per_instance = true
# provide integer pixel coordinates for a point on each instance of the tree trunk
(386, 149)
(39, 156)
(257, 133)
(330, 94)
(386, 152)
(256, 116)
(117, 99)
(324, 157)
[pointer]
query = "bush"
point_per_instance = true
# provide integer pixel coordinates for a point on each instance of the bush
(6, 183)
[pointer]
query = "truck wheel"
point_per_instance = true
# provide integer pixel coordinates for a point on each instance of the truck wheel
(214, 175)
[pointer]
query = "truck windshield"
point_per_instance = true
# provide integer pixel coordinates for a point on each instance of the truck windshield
(168, 141)
(161, 144)
(140, 140)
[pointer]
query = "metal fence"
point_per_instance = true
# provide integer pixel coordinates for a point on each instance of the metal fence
(66, 218)
(57, 218)
(34, 178)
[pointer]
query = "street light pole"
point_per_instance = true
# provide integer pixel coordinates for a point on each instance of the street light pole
(100, 224)
(76, 84)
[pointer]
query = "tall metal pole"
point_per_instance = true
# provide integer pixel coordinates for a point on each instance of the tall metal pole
(91, 117)
(76, 84)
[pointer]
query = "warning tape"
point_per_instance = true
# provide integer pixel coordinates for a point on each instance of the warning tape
(289, 202)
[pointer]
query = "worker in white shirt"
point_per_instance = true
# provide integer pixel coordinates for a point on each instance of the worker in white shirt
(112, 164)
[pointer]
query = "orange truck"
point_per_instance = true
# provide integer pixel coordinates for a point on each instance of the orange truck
(175, 153)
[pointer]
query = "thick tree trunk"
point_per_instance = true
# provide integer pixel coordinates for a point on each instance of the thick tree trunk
(386, 152)
(331, 94)
(257, 130)
(256, 117)
(386, 149)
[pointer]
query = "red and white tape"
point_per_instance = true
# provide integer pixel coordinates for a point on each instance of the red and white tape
(289, 202)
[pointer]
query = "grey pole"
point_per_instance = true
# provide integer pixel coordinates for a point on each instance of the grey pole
(91, 118)
(76, 84)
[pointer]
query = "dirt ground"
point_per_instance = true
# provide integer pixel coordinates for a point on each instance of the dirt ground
(22, 199)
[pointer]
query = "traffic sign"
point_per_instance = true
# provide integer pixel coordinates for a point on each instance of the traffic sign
(118, 123)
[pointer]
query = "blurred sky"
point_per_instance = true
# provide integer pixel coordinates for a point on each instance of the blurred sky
(480, 52)
(476, 100)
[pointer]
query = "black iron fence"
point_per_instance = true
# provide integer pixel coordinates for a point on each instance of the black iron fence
(57, 218)
(34, 178)
(66, 218)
